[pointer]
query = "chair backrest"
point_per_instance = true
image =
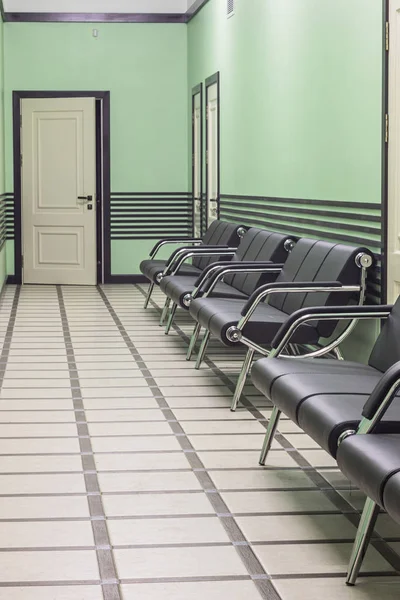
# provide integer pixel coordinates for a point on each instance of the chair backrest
(219, 233)
(386, 350)
(317, 260)
(258, 245)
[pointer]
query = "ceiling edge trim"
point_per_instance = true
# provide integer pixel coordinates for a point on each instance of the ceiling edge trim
(47, 17)
(194, 9)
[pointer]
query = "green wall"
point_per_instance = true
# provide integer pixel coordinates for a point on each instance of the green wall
(145, 68)
(301, 104)
(301, 87)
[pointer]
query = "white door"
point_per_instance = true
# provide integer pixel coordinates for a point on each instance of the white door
(58, 190)
(197, 170)
(394, 154)
(212, 152)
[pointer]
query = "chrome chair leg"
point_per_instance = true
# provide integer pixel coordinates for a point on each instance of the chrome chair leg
(193, 340)
(364, 532)
(242, 378)
(165, 311)
(149, 293)
(270, 434)
(171, 318)
(202, 350)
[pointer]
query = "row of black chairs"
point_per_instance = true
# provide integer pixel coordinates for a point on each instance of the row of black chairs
(283, 298)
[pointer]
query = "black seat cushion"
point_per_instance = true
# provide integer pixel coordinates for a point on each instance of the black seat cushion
(326, 417)
(370, 462)
(391, 494)
(151, 268)
(288, 382)
(176, 287)
(217, 315)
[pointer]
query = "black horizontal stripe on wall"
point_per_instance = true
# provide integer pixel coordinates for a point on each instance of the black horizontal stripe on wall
(150, 215)
(306, 202)
(7, 203)
(356, 223)
(276, 215)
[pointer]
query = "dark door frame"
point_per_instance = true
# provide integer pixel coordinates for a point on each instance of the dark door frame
(215, 78)
(197, 90)
(103, 179)
(385, 152)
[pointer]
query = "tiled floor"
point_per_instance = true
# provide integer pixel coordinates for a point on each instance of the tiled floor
(124, 475)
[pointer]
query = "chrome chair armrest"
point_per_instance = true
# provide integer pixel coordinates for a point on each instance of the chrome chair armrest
(181, 251)
(166, 241)
(250, 267)
(289, 288)
(174, 268)
(209, 272)
(323, 313)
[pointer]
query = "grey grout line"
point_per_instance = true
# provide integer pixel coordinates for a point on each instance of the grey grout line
(10, 328)
(209, 491)
(235, 534)
(160, 580)
(149, 517)
(105, 556)
(246, 547)
(316, 478)
(55, 583)
(336, 575)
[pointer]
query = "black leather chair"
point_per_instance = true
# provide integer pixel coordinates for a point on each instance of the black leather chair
(257, 250)
(326, 397)
(317, 273)
(220, 235)
(350, 409)
(372, 463)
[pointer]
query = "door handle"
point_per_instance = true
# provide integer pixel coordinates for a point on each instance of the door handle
(85, 198)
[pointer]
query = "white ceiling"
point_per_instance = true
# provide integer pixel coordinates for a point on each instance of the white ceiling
(98, 6)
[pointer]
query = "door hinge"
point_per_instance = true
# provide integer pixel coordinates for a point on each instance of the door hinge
(207, 111)
(21, 160)
(192, 160)
(387, 36)
(20, 120)
(206, 157)
(386, 128)
(22, 261)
